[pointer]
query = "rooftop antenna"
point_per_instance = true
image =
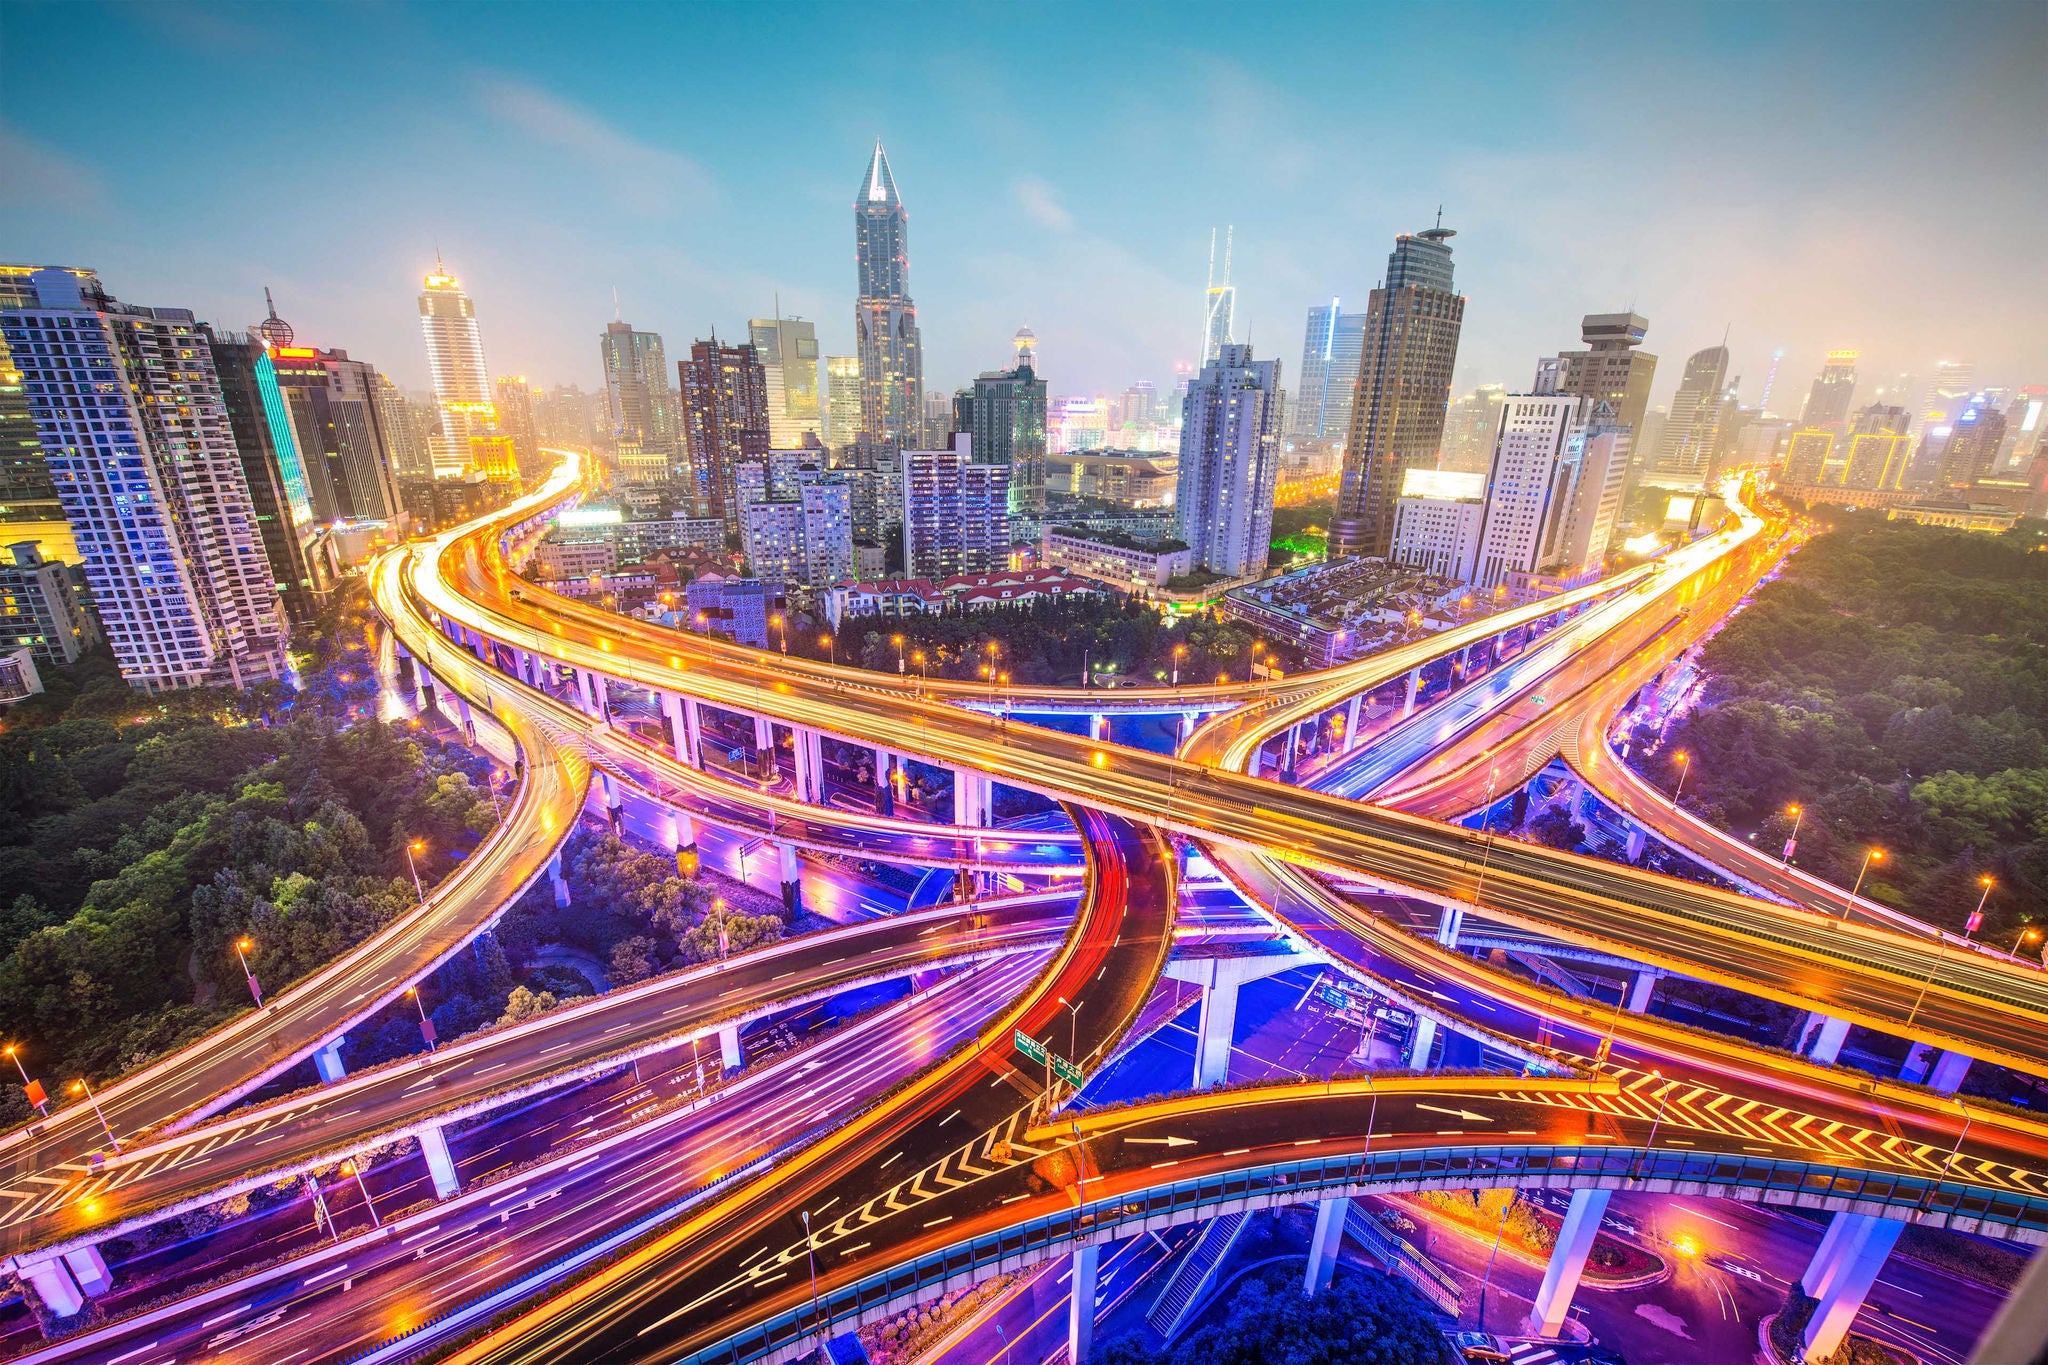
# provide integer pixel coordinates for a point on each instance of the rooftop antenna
(616, 316)
(1439, 215)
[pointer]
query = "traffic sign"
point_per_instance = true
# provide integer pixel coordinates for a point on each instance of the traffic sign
(1066, 1070)
(1038, 1052)
(1031, 1047)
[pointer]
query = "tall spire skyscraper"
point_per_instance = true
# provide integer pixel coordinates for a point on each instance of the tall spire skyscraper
(1412, 326)
(1219, 316)
(885, 320)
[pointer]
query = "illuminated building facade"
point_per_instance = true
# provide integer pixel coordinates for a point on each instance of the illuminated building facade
(1827, 403)
(1404, 383)
(1320, 408)
(1230, 462)
(1610, 370)
(725, 420)
(788, 348)
(455, 358)
(494, 457)
(956, 513)
(516, 420)
(1009, 429)
(29, 507)
(39, 607)
(842, 401)
(1973, 443)
(1685, 454)
(636, 389)
(884, 319)
(275, 469)
(136, 435)
(342, 430)
(1808, 457)
(1437, 521)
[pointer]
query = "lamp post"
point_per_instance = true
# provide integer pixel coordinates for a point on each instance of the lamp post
(1875, 855)
(897, 640)
(426, 1024)
(1684, 761)
(1663, 1096)
(79, 1087)
(811, 1254)
(416, 846)
(832, 648)
(242, 947)
(1073, 1026)
(1798, 813)
(355, 1168)
(2027, 935)
(1487, 1278)
(781, 630)
(35, 1091)
(1179, 651)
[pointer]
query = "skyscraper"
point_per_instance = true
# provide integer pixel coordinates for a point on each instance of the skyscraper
(345, 449)
(725, 420)
(1469, 429)
(884, 318)
(455, 358)
(1525, 492)
(29, 507)
(1219, 302)
(1692, 432)
(842, 400)
(789, 353)
(135, 430)
(274, 468)
(1973, 443)
(1404, 381)
(1827, 403)
(516, 421)
(1009, 429)
(1610, 370)
(636, 387)
(1878, 448)
(1230, 462)
(1321, 406)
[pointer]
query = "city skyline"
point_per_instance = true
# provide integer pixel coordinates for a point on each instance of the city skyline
(1771, 235)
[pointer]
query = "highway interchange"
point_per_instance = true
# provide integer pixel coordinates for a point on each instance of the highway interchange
(962, 1133)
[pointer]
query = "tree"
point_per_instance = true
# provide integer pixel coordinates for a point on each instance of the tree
(523, 1004)
(1361, 1319)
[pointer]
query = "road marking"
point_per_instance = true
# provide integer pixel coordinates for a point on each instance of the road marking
(325, 1274)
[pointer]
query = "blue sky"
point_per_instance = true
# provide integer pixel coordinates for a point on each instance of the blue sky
(1805, 177)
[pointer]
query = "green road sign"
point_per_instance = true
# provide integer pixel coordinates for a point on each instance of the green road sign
(1030, 1047)
(1066, 1071)
(1036, 1051)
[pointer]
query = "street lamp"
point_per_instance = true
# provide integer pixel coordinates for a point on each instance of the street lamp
(34, 1089)
(242, 947)
(811, 1254)
(832, 646)
(897, 640)
(416, 846)
(426, 1024)
(1798, 813)
(1663, 1097)
(2027, 935)
(1073, 1025)
(781, 630)
(1875, 855)
(1684, 761)
(1179, 651)
(79, 1087)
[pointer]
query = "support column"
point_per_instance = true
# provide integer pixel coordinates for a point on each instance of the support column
(792, 877)
(1567, 1262)
(970, 797)
(1218, 1025)
(1324, 1243)
(1919, 1057)
(885, 790)
(54, 1285)
(614, 802)
(1450, 925)
(672, 728)
(1354, 711)
(1948, 1073)
(679, 831)
(440, 1162)
(1842, 1300)
(1419, 1043)
(1081, 1304)
(561, 882)
(1827, 1257)
(1098, 727)
(1821, 1039)
(1408, 698)
(586, 695)
(462, 714)
(1638, 840)
(89, 1268)
(604, 697)
(1641, 988)
(765, 762)
(327, 1061)
(810, 765)
(729, 1048)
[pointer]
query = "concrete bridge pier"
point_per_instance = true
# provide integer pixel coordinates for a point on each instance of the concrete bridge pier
(1353, 718)
(1943, 1073)
(1324, 1243)
(53, 1283)
(792, 877)
(1408, 696)
(1420, 1042)
(561, 882)
(973, 797)
(327, 1061)
(1220, 979)
(730, 1056)
(764, 747)
(1641, 987)
(1846, 1264)
(614, 802)
(1567, 1262)
(440, 1162)
(1081, 1304)
(1820, 1037)
(809, 747)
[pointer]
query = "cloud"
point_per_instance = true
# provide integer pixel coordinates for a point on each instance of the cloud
(644, 179)
(35, 176)
(1041, 203)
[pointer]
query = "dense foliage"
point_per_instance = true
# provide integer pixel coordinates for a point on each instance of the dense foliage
(1047, 642)
(1894, 682)
(1361, 1319)
(140, 838)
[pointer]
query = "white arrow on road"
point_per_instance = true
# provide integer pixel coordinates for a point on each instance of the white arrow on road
(1165, 1141)
(1455, 1113)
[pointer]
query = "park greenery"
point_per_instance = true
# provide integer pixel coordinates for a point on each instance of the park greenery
(1363, 1318)
(143, 837)
(1047, 641)
(1893, 682)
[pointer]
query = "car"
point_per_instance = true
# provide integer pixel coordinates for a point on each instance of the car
(1481, 1347)
(1399, 1222)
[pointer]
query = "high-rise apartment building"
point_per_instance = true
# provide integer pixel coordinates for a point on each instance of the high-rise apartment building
(517, 422)
(884, 319)
(725, 420)
(411, 427)
(1808, 456)
(1219, 301)
(842, 401)
(29, 506)
(1404, 382)
(1685, 454)
(1230, 462)
(1610, 370)
(1321, 407)
(636, 387)
(39, 608)
(275, 471)
(1469, 428)
(1950, 392)
(1524, 490)
(455, 358)
(956, 513)
(789, 352)
(135, 431)
(1827, 403)
(1878, 448)
(1009, 429)
(807, 539)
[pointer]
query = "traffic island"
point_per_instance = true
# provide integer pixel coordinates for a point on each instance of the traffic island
(1781, 1339)
(1529, 1233)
